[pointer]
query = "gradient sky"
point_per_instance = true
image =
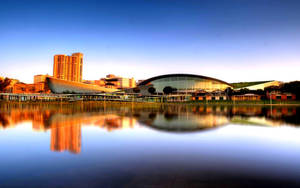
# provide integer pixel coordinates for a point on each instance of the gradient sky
(232, 40)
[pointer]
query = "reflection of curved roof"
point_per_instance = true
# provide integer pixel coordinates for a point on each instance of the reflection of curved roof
(181, 75)
(182, 130)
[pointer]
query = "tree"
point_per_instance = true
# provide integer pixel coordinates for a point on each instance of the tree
(136, 90)
(229, 92)
(244, 91)
(151, 90)
(4, 83)
(292, 87)
(167, 90)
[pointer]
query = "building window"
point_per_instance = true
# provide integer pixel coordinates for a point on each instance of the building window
(278, 97)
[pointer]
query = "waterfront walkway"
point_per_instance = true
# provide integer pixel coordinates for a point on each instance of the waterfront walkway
(92, 97)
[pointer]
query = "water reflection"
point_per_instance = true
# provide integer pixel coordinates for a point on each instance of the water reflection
(66, 138)
(140, 146)
(65, 121)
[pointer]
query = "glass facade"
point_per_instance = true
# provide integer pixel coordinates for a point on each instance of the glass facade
(188, 84)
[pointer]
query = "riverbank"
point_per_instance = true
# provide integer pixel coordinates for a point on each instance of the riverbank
(128, 99)
(144, 103)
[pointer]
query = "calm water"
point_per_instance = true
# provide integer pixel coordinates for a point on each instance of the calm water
(94, 145)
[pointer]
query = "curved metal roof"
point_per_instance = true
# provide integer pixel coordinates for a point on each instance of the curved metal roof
(180, 75)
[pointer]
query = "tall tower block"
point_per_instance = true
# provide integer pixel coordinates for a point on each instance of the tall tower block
(68, 67)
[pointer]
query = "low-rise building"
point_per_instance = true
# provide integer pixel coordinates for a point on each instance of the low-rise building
(20, 88)
(40, 78)
(112, 81)
(119, 82)
(40, 84)
(277, 95)
(210, 97)
(246, 97)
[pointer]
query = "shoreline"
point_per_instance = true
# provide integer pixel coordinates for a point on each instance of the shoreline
(214, 103)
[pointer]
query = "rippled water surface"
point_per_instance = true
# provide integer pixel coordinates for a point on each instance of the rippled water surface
(113, 145)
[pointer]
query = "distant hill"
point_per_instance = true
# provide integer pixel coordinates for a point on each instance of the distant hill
(247, 84)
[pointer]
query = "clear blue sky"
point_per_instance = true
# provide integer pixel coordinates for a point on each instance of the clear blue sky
(232, 40)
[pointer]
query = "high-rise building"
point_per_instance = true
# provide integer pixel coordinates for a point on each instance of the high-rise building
(68, 67)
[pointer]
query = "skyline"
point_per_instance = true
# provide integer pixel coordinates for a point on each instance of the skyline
(229, 40)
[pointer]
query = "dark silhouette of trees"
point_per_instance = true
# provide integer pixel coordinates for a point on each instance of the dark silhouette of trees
(244, 91)
(136, 90)
(4, 83)
(152, 90)
(170, 116)
(167, 90)
(290, 87)
(3, 121)
(229, 92)
(272, 88)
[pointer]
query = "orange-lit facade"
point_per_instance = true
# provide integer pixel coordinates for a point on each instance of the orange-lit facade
(113, 81)
(246, 97)
(40, 78)
(281, 96)
(66, 138)
(20, 88)
(23, 88)
(40, 85)
(68, 67)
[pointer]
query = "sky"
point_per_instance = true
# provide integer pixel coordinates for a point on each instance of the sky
(231, 40)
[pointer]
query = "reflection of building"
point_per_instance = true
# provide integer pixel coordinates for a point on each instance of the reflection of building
(68, 67)
(17, 116)
(246, 110)
(113, 122)
(66, 138)
(182, 83)
(180, 122)
(65, 122)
